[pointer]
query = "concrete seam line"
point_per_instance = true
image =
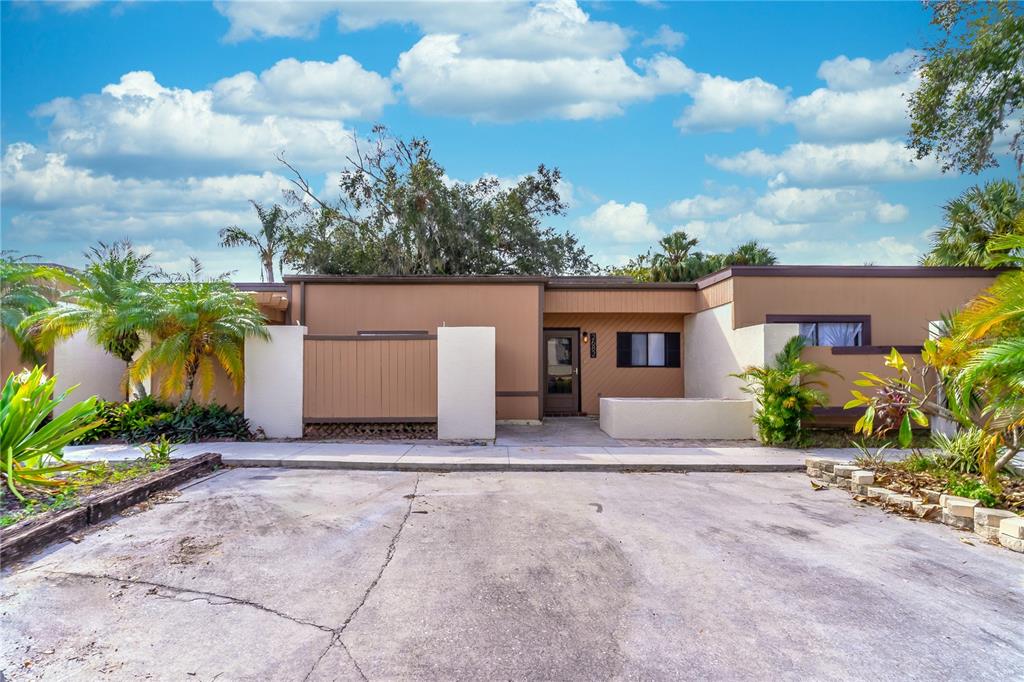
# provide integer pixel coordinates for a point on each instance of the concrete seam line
(388, 555)
(201, 595)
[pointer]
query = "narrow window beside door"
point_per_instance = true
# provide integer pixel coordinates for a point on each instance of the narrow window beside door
(647, 349)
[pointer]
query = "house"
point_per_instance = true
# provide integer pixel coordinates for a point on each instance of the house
(365, 349)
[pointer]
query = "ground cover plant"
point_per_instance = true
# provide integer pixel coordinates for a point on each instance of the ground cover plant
(149, 419)
(84, 480)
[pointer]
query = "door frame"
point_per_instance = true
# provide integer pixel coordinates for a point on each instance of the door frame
(577, 363)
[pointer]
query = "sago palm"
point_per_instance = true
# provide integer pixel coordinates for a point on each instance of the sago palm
(202, 322)
(26, 289)
(103, 301)
(270, 241)
(973, 220)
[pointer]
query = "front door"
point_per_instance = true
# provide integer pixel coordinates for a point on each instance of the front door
(562, 371)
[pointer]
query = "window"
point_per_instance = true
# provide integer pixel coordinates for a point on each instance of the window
(838, 334)
(648, 349)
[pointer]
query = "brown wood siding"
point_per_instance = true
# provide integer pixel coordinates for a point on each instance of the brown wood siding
(900, 309)
(600, 377)
(512, 309)
(619, 301)
(372, 379)
(715, 295)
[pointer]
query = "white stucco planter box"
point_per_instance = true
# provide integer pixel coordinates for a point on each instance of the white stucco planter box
(643, 418)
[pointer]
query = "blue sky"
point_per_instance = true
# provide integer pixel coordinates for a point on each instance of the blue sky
(782, 122)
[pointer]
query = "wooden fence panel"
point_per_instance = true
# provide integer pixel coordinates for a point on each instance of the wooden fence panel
(369, 379)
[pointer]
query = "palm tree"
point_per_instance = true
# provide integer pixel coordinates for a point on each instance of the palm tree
(972, 220)
(25, 289)
(201, 321)
(271, 240)
(103, 299)
(984, 354)
(751, 253)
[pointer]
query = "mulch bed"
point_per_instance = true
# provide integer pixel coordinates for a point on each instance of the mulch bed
(913, 483)
(104, 500)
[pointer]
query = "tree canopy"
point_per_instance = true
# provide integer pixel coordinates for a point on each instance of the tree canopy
(972, 86)
(678, 262)
(399, 213)
(973, 220)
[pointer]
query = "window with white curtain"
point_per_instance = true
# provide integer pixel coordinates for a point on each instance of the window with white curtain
(838, 334)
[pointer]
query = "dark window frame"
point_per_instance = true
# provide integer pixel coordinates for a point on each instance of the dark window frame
(864, 320)
(672, 350)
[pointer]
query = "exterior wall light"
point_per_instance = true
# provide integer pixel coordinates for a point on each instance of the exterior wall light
(586, 337)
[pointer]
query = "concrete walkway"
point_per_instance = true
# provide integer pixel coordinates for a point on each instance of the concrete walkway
(410, 457)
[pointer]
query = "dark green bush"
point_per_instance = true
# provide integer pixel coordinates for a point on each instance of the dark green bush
(148, 419)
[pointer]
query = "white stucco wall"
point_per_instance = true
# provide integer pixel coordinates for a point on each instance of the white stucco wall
(676, 418)
(465, 382)
(714, 350)
(273, 381)
(80, 361)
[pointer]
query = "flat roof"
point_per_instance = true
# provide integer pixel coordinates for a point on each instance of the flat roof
(625, 282)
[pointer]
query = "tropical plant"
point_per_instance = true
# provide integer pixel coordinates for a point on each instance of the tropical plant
(960, 452)
(193, 423)
(271, 241)
(973, 220)
(972, 85)
(897, 402)
(104, 300)
(31, 450)
(25, 289)
(200, 322)
(785, 394)
(399, 213)
(678, 262)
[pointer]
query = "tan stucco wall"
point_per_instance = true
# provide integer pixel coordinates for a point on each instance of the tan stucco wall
(512, 309)
(10, 358)
(599, 377)
(900, 308)
(223, 391)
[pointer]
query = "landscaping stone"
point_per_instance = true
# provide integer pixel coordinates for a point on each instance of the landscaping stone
(813, 473)
(1015, 544)
(905, 502)
(876, 493)
(960, 506)
(923, 510)
(862, 477)
(986, 521)
(1012, 527)
(844, 470)
(964, 523)
(930, 496)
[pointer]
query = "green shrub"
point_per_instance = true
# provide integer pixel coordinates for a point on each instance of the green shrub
(148, 419)
(974, 489)
(962, 452)
(30, 450)
(785, 398)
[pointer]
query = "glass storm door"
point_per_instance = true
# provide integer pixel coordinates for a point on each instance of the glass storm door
(562, 371)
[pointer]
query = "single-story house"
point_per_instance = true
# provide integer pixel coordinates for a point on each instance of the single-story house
(365, 348)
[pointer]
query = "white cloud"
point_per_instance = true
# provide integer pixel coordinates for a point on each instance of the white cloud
(843, 164)
(845, 75)
(704, 206)
(141, 126)
(667, 38)
(887, 250)
(556, 28)
(727, 232)
(867, 114)
(52, 200)
(274, 19)
(625, 223)
(816, 205)
(437, 77)
(723, 104)
(312, 89)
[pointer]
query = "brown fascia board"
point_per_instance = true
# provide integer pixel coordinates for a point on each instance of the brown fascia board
(261, 286)
(415, 279)
(852, 271)
(616, 283)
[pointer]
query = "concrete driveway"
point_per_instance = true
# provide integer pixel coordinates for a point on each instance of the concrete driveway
(329, 575)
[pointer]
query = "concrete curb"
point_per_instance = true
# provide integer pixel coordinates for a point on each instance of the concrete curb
(444, 467)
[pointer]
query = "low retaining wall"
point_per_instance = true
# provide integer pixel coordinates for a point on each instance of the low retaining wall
(998, 526)
(645, 418)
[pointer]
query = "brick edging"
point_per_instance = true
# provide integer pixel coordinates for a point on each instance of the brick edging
(998, 526)
(17, 544)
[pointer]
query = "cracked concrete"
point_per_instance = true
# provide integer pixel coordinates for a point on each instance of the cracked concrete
(313, 575)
